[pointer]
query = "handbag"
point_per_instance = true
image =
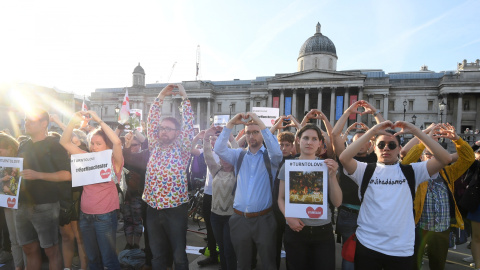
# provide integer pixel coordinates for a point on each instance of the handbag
(348, 249)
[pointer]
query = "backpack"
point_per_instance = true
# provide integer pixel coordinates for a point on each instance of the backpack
(471, 198)
(266, 161)
(407, 171)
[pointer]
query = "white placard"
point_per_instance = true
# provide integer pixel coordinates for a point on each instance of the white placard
(306, 185)
(267, 115)
(91, 168)
(10, 169)
(221, 120)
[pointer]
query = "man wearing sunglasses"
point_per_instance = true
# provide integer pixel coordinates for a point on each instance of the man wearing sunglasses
(386, 227)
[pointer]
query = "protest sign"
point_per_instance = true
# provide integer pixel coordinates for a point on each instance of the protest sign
(267, 115)
(10, 169)
(306, 185)
(91, 168)
(221, 120)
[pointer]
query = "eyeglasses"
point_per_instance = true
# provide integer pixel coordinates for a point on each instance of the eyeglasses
(135, 144)
(162, 129)
(390, 145)
(251, 133)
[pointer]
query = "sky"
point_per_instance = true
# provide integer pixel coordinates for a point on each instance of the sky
(79, 46)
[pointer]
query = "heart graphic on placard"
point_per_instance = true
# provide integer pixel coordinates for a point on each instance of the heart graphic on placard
(11, 202)
(273, 121)
(105, 174)
(314, 213)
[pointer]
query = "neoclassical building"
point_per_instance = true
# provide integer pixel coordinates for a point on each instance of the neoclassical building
(318, 84)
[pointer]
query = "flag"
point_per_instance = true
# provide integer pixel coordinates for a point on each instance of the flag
(125, 110)
(84, 109)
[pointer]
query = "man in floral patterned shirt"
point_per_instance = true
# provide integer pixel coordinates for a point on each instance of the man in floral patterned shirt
(166, 180)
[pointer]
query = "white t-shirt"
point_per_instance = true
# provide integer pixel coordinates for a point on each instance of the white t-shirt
(385, 221)
(208, 180)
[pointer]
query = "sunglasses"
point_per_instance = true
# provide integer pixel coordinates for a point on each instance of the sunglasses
(390, 145)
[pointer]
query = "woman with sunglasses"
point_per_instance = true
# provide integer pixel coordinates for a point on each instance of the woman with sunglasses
(309, 243)
(386, 227)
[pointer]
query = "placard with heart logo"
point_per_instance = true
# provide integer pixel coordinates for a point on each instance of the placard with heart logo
(267, 115)
(11, 174)
(91, 168)
(306, 186)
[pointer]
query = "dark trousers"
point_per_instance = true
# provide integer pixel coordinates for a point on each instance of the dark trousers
(221, 230)
(167, 229)
(206, 211)
(437, 248)
(148, 251)
(346, 226)
(367, 259)
(279, 233)
(311, 248)
(259, 230)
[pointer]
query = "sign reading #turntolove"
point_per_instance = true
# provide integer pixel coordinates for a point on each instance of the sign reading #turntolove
(306, 185)
(91, 168)
(10, 169)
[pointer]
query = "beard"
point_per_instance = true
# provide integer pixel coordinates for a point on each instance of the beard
(166, 140)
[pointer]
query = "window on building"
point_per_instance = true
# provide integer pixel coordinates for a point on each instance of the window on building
(233, 107)
(316, 62)
(330, 63)
(377, 104)
(258, 104)
(219, 107)
(247, 106)
(430, 105)
(466, 105)
(391, 105)
(410, 105)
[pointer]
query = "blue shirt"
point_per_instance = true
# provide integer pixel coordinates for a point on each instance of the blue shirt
(254, 192)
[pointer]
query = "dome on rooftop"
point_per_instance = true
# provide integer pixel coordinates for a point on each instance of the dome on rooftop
(318, 44)
(139, 69)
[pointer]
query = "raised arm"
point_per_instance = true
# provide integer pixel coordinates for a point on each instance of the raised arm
(54, 118)
(271, 142)
(208, 153)
(112, 136)
(442, 157)
(194, 151)
(337, 140)
(66, 139)
(369, 109)
(186, 135)
(153, 120)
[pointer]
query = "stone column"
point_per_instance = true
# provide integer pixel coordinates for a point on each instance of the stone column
(252, 100)
(370, 117)
(294, 102)
(458, 124)
(360, 97)
(198, 113)
(307, 100)
(319, 105)
(208, 113)
(269, 98)
(174, 107)
(346, 99)
(282, 102)
(385, 106)
(332, 106)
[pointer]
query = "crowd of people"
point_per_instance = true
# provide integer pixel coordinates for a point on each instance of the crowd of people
(397, 199)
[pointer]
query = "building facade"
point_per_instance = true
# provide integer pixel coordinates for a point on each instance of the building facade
(317, 84)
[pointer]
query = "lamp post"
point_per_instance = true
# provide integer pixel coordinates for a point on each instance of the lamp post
(442, 106)
(404, 108)
(117, 110)
(414, 119)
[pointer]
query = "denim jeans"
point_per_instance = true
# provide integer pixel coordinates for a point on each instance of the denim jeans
(99, 238)
(221, 229)
(346, 226)
(167, 230)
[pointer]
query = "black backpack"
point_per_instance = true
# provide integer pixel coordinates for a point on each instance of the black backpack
(470, 200)
(266, 161)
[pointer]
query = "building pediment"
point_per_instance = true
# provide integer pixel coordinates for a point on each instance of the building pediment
(317, 75)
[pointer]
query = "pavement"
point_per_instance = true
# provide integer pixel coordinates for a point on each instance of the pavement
(196, 234)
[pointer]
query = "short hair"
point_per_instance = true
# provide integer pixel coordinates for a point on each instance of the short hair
(174, 121)
(102, 134)
(391, 132)
(310, 126)
(359, 131)
(286, 136)
(7, 141)
(81, 136)
(41, 114)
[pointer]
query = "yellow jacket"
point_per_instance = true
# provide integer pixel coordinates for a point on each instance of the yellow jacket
(465, 159)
